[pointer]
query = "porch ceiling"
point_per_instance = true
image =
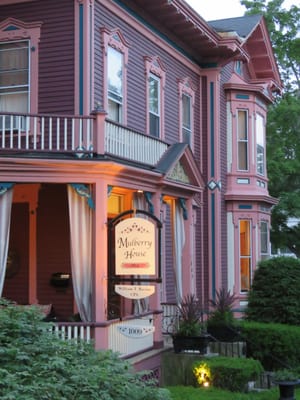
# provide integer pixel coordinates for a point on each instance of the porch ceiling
(183, 25)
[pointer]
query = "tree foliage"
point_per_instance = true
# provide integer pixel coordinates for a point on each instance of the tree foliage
(283, 127)
(37, 365)
(275, 292)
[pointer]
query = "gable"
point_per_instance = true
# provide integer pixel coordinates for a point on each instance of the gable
(178, 167)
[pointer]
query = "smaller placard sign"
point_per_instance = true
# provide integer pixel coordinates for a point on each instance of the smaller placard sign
(135, 331)
(135, 291)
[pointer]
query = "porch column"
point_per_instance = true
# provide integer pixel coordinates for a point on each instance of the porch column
(100, 263)
(155, 299)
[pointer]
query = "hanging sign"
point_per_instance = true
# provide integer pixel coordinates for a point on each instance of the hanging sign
(135, 331)
(135, 247)
(135, 291)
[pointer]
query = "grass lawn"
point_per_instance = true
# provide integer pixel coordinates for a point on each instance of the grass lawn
(191, 393)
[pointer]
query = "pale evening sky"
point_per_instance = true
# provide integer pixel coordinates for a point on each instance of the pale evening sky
(219, 9)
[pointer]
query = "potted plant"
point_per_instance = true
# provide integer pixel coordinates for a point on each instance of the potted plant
(286, 380)
(190, 333)
(221, 324)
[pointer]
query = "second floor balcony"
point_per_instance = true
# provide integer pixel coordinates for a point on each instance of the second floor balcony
(90, 136)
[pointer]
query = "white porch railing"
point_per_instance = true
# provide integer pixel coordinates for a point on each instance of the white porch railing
(78, 135)
(72, 330)
(169, 318)
(130, 345)
(132, 145)
(52, 133)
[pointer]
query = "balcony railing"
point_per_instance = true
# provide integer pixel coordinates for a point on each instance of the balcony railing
(132, 145)
(81, 136)
(45, 133)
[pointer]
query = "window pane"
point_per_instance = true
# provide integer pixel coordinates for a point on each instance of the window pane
(242, 125)
(245, 254)
(260, 151)
(243, 157)
(154, 95)
(242, 134)
(186, 111)
(154, 106)
(264, 248)
(14, 79)
(114, 68)
(154, 125)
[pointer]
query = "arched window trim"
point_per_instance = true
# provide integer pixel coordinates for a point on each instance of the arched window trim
(115, 39)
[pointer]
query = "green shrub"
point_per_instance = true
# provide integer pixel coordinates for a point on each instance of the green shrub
(275, 292)
(36, 365)
(230, 373)
(276, 346)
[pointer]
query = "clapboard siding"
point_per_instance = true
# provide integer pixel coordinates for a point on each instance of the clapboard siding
(53, 248)
(141, 46)
(56, 50)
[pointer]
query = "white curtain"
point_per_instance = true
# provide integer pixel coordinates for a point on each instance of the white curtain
(80, 214)
(139, 203)
(6, 197)
(179, 241)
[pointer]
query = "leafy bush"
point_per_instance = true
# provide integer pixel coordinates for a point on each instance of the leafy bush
(36, 365)
(275, 292)
(276, 346)
(230, 373)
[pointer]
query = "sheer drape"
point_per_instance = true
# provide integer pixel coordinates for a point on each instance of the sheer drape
(6, 197)
(179, 241)
(140, 203)
(80, 214)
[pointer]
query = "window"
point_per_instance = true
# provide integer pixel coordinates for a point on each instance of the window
(186, 118)
(238, 67)
(260, 145)
(115, 84)
(155, 78)
(264, 240)
(18, 70)
(245, 254)
(186, 107)
(154, 106)
(14, 76)
(242, 136)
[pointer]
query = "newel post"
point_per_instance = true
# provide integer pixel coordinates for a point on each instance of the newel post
(99, 131)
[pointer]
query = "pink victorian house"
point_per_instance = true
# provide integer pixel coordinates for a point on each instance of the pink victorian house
(113, 110)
